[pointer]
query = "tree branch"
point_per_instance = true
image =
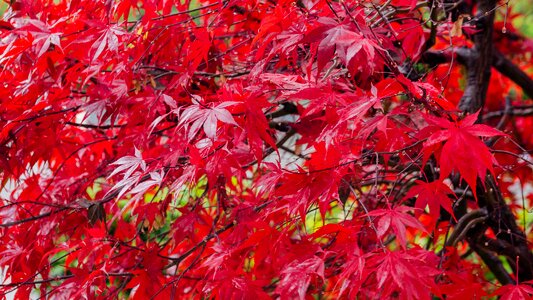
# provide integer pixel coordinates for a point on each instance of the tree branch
(513, 72)
(520, 111)
(479, 69)
(503, 223)
(502, 64)
(494, 264)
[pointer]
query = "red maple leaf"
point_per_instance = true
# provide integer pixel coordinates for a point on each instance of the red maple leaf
(297, 275)
(396, 219)
(434, 194)
(462, 151)
(343, 39)
(410, 273)
(515, 292)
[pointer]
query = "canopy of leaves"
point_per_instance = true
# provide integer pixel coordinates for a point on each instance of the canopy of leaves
(248, 149)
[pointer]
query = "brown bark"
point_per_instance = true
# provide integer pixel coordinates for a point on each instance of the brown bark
(479, 68)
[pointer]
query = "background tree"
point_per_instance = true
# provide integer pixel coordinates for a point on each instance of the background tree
(257, 149)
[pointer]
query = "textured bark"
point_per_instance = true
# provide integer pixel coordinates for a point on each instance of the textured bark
(479, 69)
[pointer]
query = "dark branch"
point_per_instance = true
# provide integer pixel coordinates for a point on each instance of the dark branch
(520, 111)
(479, 69)
(502, 64)
(44, 215)
(92, 126)
(513, 72)
(494, 264)
(503, 223)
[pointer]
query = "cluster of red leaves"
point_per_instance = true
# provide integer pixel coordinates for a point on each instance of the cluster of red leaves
(240, 149)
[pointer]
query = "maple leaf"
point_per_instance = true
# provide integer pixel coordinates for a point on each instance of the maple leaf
(409, 272)
(122, 8)
(463, 150)
(410, 3)
(222, 253)
(109, 39)
(519, 291)
(13, 50)
(464, 285)
(396, 219)
(200, 45)
(155, 179)
(129, 164)
(301, 188)
(357, 110)
(434, 194)
(145, 284)
(231, 285)
(353, 273)
(342, 38)
(255, 124)
(198, 115)
(297, 275)
(42, 35)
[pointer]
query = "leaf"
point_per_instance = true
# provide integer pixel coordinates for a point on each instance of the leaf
(463, 151)
(198, 115)
(515, 292)
(457, 27)
(109, 39)
(353, 271)
(155, 179)
(95, 213)
(341, 38)
(297, 275)
(129, 164)
(464, 284)
(411, 273)
(395, 219)
(434, 194)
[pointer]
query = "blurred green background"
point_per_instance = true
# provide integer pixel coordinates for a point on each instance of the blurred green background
(523, 22)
